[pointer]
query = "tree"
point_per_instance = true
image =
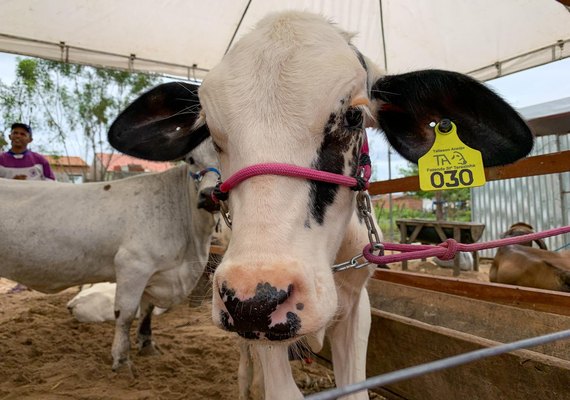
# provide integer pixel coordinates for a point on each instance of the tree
(447, 201)
(59, 98)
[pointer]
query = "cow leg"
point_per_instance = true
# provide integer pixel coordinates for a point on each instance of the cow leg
(349, 342)
(250, 374)
(277, 375)
(146, 346)
(130, 287)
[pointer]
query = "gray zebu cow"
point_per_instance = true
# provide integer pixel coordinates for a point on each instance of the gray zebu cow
(295, 91)
(144, 232)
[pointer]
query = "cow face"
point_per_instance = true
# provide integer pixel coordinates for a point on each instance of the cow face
(295, 91)
(204, 165)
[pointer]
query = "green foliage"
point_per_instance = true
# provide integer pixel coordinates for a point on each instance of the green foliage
(58, 98)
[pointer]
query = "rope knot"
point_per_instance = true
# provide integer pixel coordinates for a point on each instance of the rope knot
(360, 184)
(451, 247)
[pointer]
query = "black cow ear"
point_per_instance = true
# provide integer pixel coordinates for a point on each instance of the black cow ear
(407, 104)
(159, 125)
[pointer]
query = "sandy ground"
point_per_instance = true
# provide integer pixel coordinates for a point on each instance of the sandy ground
(46, 354)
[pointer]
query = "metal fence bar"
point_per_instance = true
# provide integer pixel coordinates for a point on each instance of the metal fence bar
(433, 366)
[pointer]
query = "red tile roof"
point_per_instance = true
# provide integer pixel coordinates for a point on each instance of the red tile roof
(65, 161)
(115, 161)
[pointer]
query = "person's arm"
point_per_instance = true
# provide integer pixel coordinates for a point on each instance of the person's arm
(48, 173)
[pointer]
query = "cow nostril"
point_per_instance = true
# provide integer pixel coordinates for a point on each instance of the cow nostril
(206, 202)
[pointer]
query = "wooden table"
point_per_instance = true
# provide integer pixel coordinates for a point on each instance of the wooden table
(434, 232)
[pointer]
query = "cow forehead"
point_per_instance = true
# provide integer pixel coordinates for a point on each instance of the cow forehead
(293, 70)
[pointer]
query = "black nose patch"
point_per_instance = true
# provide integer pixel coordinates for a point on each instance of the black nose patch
(251, 318)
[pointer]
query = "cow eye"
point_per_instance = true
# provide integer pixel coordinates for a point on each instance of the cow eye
(216, 147)
(353, 118)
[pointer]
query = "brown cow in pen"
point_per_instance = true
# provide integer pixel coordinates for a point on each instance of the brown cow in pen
(523, 265)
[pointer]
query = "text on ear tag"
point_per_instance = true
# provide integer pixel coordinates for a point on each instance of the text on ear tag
(450, 163)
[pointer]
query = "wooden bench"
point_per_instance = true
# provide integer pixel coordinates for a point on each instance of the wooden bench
(434, 232)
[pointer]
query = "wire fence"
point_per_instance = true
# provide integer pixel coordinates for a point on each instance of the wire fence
(407, 373)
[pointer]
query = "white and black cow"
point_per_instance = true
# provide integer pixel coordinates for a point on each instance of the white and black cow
(145, 233)
(296, 91)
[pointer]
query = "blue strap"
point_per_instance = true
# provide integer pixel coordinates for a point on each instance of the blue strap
(200, 174)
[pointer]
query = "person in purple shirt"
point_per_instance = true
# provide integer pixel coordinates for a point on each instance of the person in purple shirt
(21, 163)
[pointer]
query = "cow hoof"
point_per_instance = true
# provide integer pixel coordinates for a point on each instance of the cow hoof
(149, 349)
(124, 366)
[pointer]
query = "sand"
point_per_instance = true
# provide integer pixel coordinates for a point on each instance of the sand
(46, 354)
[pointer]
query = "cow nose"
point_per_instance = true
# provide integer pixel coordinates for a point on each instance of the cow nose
(259, 316)
(206, 201)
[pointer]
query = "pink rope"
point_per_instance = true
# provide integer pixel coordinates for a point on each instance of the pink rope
(365, 171)
(286, 170)
(448, 249)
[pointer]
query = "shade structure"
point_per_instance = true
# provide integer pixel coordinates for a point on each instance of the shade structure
(187, 38)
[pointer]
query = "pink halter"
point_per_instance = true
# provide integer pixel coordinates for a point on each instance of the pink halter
(357, 183)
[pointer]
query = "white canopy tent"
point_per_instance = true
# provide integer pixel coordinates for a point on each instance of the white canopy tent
(186, 38)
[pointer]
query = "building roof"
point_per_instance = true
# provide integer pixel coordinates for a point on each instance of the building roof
(64, 161)
(119, 162)
(550, 118)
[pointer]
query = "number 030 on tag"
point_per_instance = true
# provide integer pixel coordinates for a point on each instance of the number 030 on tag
(450, 163)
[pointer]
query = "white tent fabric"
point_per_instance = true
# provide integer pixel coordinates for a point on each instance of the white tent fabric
(186, 38)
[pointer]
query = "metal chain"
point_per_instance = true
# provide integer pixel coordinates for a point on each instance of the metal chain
(352, 263)
(226, 214)
(364, 208)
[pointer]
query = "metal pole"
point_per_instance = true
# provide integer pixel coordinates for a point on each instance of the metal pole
(390, 213)
(563, 192)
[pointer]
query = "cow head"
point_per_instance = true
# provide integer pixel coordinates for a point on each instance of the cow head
(296, 91)
(522, 228)
(204, 165)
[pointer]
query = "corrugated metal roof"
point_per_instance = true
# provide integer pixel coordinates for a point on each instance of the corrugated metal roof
(549, 118)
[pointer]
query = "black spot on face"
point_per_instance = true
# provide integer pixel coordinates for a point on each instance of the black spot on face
(300, 306)
(107, 187)
(341, 132)
(117, 313)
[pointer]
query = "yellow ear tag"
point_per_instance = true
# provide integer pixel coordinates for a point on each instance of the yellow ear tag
(450, 163)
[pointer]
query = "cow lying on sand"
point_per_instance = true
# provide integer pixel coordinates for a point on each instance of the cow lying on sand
(523, 265)
(95, 302)
(296, 91)
(144, 232)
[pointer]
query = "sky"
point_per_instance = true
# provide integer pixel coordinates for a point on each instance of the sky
(534, 86)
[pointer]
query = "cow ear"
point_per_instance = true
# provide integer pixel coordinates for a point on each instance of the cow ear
(406, 105)
(159, 125)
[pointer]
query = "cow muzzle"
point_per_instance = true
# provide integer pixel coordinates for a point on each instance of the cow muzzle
(273, 304)
(253, 318)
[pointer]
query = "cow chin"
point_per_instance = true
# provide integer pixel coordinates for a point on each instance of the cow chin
(272, 302)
